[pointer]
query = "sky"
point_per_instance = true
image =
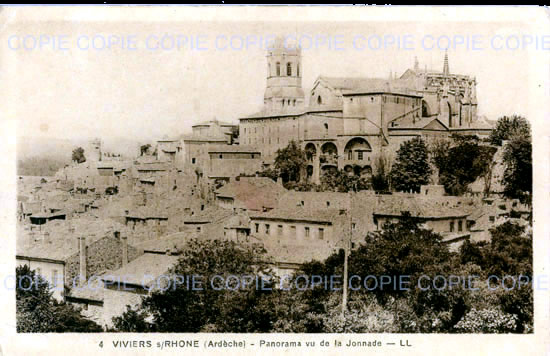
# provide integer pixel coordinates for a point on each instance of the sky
(64, 81)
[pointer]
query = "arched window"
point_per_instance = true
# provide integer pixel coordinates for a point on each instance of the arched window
(319, 100)
(278, 65)
(289, 69)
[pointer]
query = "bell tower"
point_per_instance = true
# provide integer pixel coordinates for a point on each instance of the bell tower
(284, 92)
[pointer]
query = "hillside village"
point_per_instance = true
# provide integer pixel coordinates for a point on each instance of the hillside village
(110, 217)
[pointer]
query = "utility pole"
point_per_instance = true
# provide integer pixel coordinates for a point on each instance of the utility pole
(347, 242)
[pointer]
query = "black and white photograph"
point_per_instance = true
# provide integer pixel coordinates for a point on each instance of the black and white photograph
(237, 179)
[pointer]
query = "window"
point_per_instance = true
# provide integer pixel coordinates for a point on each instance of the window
(298, 70)
(293, 231)
(193, 160)
(302, 203)
(328, 204)
(257, 227)
(288, 69)
(460, 225)
(360, 155)
(221, 156)
(280, 230)
(452, 226)
(307, 231)
(353, 226)
(492, 219)
(54, 278)
(350, 155)
(321, 233)
(199, 229)
(278, 68)
(267, 229)
(319, 100)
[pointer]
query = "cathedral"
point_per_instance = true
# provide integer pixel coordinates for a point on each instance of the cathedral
(350, 122)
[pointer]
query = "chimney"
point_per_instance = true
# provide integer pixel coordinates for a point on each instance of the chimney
(82, 253)
(124, 244)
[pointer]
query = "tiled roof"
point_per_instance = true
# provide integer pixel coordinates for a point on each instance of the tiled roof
(210, 122)
(415, 123)
(233, 148)
(298, 253)
(425, 207)
(205, 138)
(175, 241)
(290, 111)
(254, 193)
(157, 166)
(299, 213)
(143, 270)
(61, 244)
(210, 214)
(352, 85)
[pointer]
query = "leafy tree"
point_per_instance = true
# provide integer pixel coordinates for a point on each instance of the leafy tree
(487, 321)
(38, 311)
(145, 149)
(518, 173)
(132, 321)
(341, 181)
(213, 309)
(78, 155)
(290, 162)
(411, 168)
(510, 253)
(508, 127)
(461, 161)
(381, 177)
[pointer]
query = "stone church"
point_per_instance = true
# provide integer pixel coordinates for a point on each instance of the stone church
(348, 123)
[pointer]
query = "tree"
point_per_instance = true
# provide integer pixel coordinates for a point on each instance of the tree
(411, 168)
(341, 181)
(38, 311)
(508, 127)
(461, 162)
(290, 162)
(145, 149)
(380, 179)
(78, 155)
(510, 253)
(518, 172)
(213, 307)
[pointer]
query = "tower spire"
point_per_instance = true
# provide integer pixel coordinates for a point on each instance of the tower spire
(446, 64)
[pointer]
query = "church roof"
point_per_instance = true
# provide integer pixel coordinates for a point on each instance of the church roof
(419, 123)
(354, 85)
